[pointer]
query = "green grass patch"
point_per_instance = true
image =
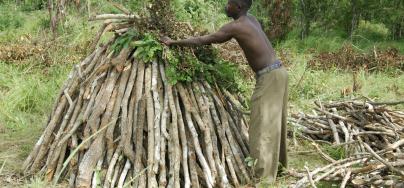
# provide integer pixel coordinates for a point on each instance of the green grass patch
(27, 91)
(319, 40)
(306, 85)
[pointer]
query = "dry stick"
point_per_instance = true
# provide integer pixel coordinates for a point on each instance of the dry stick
(54, 152)
(140, 119)
(236, 110)
(236, 152)
(386, 103)
(338, 116)
(135, 177)
(375, 155)
(346, 178)
(100, 32)
(47, 135)
(151, 176)
(105, 65)
(233, 146)
(139, 141)
(192, 161)
(184, 144)
(79, 107)
(304, 180)
(164, 117)
(241, 143)
(124, 173)
(324, 155)
(98, 146)
(61, 160)
(113, 16)
(224, 182)
(95, 184)
(198, 99)
(73, 163)
(242, 146)
(374, 133)
(90, 68)
(109, 135)
(188, 109)
(174, 144)
(334, 168)
(75, 151)
(102, 66)
(310, 177)
(395, 145)
(222, 136)
(343, 128)
(127, 118)
(94, 112)
(37, 154)
(111, 167)
(116, 171)
(157, 116)
(73, 85)
(204, 110)
(334, 130)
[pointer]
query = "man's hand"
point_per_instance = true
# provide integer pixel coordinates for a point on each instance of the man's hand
(166, 40)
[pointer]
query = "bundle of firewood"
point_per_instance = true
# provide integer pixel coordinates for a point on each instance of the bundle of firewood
(372, 138)
(119, 122)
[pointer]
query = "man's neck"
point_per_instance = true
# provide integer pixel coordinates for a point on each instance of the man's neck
(242, 14)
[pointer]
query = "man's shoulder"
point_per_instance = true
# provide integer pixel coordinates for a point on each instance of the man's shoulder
(231, 26)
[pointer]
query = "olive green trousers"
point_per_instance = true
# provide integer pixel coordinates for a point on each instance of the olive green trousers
(268, 121)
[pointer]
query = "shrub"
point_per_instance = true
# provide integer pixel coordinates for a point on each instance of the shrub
(372, 31)
(9, 19)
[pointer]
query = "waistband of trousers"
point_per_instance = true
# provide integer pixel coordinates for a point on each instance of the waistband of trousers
(268, 68)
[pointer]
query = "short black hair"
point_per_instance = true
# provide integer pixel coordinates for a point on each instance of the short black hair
(245, 4)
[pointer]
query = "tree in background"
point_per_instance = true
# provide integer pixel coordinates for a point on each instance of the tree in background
(347, 14)
(275, 16)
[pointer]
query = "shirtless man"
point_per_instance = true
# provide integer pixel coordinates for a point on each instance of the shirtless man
(267, 131)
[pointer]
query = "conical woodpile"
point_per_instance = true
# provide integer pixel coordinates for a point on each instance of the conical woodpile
(119, 122)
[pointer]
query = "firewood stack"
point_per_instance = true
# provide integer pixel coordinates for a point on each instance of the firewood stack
(118, 122)
(372, 138)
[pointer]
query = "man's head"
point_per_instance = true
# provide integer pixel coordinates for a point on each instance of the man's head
(235, 8)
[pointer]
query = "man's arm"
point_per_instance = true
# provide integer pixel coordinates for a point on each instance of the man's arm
(224, 34)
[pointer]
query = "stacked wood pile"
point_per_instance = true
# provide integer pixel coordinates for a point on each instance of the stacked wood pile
(118, 122)
(372, 138)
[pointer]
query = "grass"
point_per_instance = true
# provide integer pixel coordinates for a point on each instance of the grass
(26, 95)
(333, 40)
(307, 85)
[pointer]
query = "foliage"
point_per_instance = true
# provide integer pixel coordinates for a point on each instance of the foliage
(336, 153)
(205, 14)
(183, 65)
(9, 19)
(275, 17)
(148, 48)
(123, 41)
(372, 31)
(25, 5)
(346, 14)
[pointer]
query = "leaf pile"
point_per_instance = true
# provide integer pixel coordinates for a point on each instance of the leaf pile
(348, 58)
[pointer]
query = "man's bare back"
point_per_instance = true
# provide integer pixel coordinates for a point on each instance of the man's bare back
(248, 33)
(255, 44)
